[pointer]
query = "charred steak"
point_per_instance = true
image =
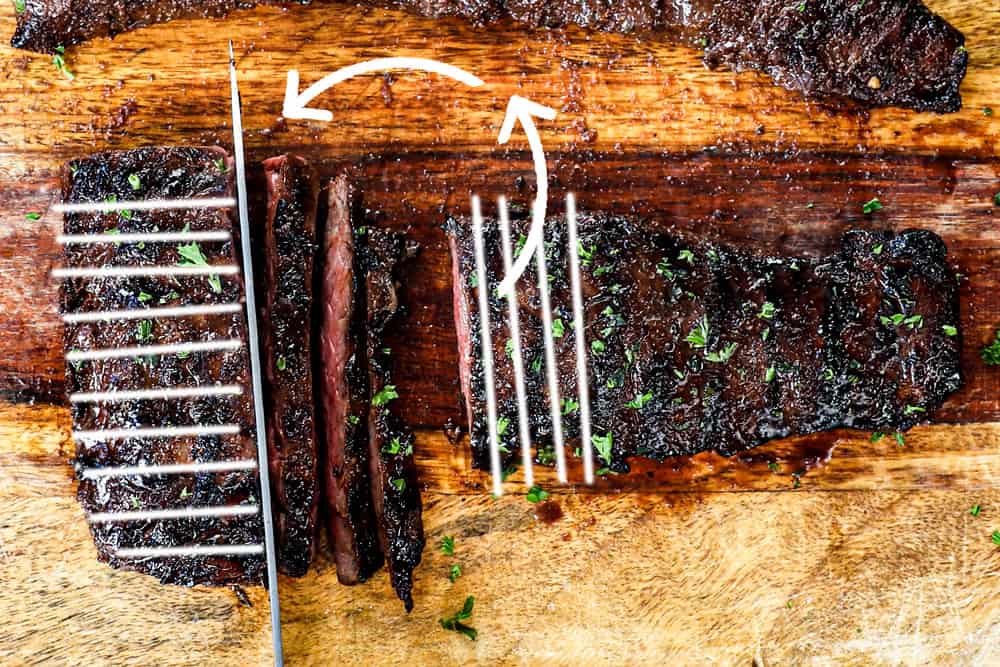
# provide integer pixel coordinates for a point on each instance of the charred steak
(288, 248)
(696, 346)
(157, 173)
(878, 52)
(344, 394)
(395, 487)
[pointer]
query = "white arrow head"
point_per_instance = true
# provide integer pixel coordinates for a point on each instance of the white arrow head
(522, 109)
(295, 104)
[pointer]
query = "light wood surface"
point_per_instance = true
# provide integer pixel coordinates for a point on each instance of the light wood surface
(870, 557)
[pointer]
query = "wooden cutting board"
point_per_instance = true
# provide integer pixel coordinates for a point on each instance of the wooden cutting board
(843, 552)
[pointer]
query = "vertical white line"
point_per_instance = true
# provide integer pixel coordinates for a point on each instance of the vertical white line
(582, 381)
(487, 345)
(550, 361)
(515, 336)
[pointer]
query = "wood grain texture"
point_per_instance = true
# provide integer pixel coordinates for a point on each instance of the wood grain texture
(870, 558)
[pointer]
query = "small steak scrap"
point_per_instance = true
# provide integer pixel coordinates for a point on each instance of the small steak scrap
(695, 346)
(288, 249)
(160, 173)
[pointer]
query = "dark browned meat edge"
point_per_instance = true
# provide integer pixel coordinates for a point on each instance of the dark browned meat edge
(862, 338)
(395, 487)
(160, 173)
(878, 52)
(286, 246)
(343, 392)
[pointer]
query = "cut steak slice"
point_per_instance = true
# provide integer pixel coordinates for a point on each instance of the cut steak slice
(696, 346)
(288, 248)
(160, 173)
(343, 391)
(878, 52)
(395, 487)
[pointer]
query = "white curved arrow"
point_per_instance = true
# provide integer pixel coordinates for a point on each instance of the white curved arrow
(524, 110)
(295, 106)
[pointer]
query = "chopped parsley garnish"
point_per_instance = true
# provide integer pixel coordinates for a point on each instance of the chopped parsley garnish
(455, 623)
(991, 353)
(877, 250)
(911, 321)
(773, 466)
(353, 420)
(191, 255)
(686, 256)
(508, 347)
(455, 572)
(766, 311)
(949, 330)
(59, 60)
(586, 255)
(133, 180)
(877, 435)
(900, 439)
(913, 410)
(145, 330)
(448, 545)
(281, 364)
(996, 199)
(19, 6)
(996, 537)
(770, 375)
(558, 328)
(640, 401)
(975, 510)
(537, 494)
(33, 216)
(220, 164)
(473, 280)
(597, 346)
(502, 424)
(144, 297)
(698, 337)
(185, 492)
(723, 355)
(987, 111)
(398, 484)
(872, 206)
(663, 268)
(569, 406)
(603, 443)
(387, 394)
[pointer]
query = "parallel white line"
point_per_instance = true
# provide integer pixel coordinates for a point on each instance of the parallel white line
(145, 205)
(514, 323)
(152, 313)
(579, 332)
(135, 271)
(192, 551)
(166, 515)
(170, 469)
(155, 394)
(151, 237)
(487, 346)
(154, 350)
(164, 432)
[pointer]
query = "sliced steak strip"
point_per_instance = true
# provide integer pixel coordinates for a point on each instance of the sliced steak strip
(288, 248)
(395, 487)
(696, 346)
(877, 52)
(157, 173)
(343, 391)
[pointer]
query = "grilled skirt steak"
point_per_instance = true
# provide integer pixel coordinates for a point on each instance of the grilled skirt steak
(878, 52)
(157, 173)
(288, 248)
(344, 393)
(395, 487)
(696, 346)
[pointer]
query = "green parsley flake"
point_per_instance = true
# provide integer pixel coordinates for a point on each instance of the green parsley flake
(686, 256)
(698, 337)
(144, 297)
(723, 355)
(387, 394)
(766, 311)
(281, 364)
(996, 537)
(191, 255)
(502, 425)
(603, 443)
(455, 572)
(33, 216)
(398, 484)
(455, 623)
(770, 375)
(569, 406)
(448, 545)
(145, 330)
(913, 410)
(949, 330)
(640, 401)
(991, 353)
(558, 328)
(872, 206)
(133, 180)
(59, 60)
(537, 494)
(597, 346)
(975, 510)
(19, 6)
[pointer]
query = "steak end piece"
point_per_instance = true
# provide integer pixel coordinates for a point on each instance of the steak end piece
(344, 391)
(696, 346)
(395, 486)
(160, 173)
(288, 249)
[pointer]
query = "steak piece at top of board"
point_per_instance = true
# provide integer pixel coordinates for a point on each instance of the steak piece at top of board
(287, 249)
(153, 174)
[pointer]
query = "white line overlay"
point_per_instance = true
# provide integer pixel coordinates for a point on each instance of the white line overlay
(580, 331)
(144, 205)
(487, 345)
(514, 321)
(170, 469)
(135, 271)
(152, 313)
(155, 394)
(164, 432)
(155, 350)
(192, 551)
(166, 515)
(152, 237)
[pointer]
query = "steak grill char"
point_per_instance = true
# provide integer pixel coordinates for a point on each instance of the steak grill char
(696, 346)
(160, 173)
(878, 52)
